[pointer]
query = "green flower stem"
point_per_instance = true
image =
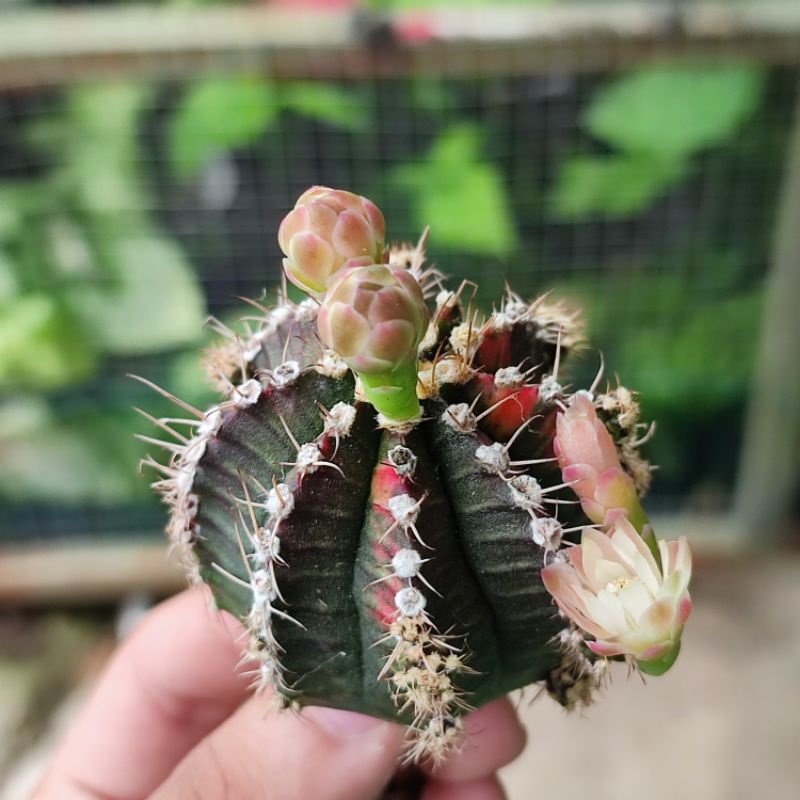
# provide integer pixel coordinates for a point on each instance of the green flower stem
(394, 393)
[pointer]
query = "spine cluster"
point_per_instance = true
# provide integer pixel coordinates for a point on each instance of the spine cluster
(423, 664)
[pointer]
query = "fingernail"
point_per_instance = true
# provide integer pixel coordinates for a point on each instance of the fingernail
(342, 723)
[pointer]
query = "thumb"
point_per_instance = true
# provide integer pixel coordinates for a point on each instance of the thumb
(321, 753)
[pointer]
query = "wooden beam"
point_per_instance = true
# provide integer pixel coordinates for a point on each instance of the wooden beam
(50, 47)
(85, 572)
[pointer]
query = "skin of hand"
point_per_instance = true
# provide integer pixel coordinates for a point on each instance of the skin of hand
(171, 717)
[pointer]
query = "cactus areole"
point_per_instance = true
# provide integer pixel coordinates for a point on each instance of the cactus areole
(403, 501)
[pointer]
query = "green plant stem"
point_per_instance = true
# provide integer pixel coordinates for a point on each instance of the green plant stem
(394, 394)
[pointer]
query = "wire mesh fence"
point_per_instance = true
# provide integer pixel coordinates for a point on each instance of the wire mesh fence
(630, 163)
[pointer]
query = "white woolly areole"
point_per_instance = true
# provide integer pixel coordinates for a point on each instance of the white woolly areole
(400, 427)
(450, 369)
(280, 501)
(465, 339)
(194, 451)
(430, 338)
(493, 456)
(406, 563)
(459, 417)
(267, 546)
(571, 639)
(307, 310)
(550, 389)
(410, 602)
(340, 419)
(508, 378)
(444, 297)
(254, 344)
(184, 478)
(184, 512)
(264, 590)
(308, 458)
(268, 669)
(526, 492)
(210, 424)
(331, 365)
(547, 532)
(515, 310)
(247, 393)
(280, 314)
(501, 322)
(404, 509)
(403, 460)
(285, 373)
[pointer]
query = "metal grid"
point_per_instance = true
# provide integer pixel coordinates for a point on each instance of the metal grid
(379, 105)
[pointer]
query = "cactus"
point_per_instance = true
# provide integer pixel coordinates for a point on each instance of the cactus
(381, 487)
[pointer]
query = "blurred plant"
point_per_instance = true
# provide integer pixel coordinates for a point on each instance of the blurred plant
(79, 256)
(222, 113)
(654, 119)
(460, 195)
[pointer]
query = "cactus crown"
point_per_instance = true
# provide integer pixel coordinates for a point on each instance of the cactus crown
(380, 488)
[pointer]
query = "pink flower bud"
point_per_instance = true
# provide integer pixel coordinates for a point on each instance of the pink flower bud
(589, 460)
(374, 317)
(612, 588)
(325, 230)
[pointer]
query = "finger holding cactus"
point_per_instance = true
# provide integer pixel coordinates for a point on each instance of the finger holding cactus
(406, 506)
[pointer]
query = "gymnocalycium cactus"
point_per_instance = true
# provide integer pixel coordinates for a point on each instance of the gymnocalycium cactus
(391, 497)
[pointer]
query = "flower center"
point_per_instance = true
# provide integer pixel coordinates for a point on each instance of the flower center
(615, 587)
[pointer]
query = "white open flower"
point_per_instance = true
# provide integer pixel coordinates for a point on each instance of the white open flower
(612, 588)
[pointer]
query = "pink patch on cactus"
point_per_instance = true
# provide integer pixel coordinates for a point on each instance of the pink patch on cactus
(495, 350)
(518, 406)
(386, 483)
(612, 588)
(588, 458)
(384, 607)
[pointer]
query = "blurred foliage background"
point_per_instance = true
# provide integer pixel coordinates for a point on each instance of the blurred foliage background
(129, 211)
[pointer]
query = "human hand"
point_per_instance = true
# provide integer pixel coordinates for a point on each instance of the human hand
(172, 718)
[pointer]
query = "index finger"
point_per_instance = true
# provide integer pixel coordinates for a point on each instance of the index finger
(168, 685)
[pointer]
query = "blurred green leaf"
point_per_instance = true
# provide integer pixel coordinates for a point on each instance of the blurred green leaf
(431, 94)
(460, 196)
(154, 304)
(13, 202)
(326, 103)
(41, 344)
(219, 114)
(672, 367)
(687, 352)
(188, 377)
(613, 186)
(8, 282)
(102, 163)
(71, 250)
(673, 111)
(81, 458)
